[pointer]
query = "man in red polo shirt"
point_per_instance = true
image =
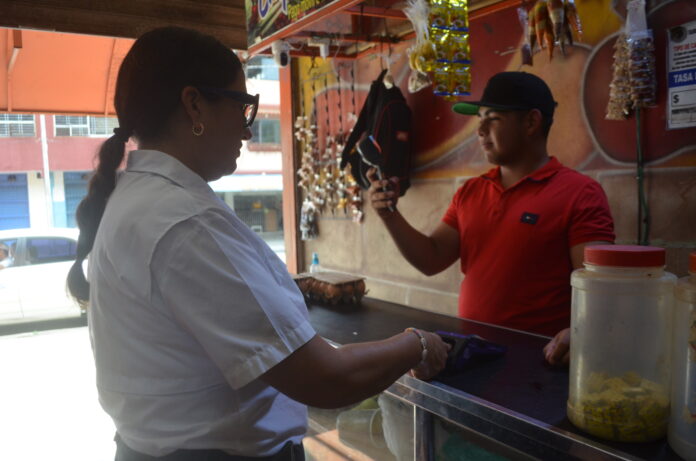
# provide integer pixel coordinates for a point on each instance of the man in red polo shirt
(520, 229)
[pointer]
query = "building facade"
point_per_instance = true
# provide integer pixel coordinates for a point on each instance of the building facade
(46, 161)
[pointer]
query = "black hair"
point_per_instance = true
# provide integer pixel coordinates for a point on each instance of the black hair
(160, 64)
(546, 122)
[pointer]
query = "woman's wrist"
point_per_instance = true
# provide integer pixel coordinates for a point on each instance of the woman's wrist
(423, 341)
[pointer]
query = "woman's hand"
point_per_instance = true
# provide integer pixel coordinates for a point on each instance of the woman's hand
(435, 360)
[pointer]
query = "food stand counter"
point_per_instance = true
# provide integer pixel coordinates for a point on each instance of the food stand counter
(512, 407)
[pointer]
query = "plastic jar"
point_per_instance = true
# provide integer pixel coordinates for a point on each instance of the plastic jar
(621, 326)
(682, 424)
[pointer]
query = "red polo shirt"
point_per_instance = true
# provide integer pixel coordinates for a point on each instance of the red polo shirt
(515, 244)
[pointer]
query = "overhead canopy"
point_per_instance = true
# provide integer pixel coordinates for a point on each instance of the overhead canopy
(224, 19)
(73, 69)
(50, 72)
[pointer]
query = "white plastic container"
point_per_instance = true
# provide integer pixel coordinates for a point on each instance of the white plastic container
(621, 325)
(682, 424)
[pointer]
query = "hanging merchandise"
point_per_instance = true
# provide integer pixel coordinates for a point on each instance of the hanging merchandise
(325, 186)
(449, 29)
(634, 83)
(619, 105)
(308, 221)
(641, 51)
(387, 117)
(306, 135)
(441, 48)
(421, 55)
(548, 23)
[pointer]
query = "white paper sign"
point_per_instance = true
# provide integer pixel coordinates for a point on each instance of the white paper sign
(681, 74)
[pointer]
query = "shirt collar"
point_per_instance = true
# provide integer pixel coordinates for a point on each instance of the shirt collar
(549, 169)
(159, 163)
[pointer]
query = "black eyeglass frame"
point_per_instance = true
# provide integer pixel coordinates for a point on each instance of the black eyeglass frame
(244, 98)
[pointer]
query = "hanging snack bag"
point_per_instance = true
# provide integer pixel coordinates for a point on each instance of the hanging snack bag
(641, 55)
(442, 79)
(441, 39)
(459, 16)
(461, 79)
(459, 47)
(439, 14)
(422, 54)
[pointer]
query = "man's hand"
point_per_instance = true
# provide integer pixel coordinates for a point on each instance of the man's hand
(557, 351)
(382, 194)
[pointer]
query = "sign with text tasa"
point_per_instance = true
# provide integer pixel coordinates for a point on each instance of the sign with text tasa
(266, 17)
(681, 72)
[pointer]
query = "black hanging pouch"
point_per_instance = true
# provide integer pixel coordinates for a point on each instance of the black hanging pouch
(386, 116)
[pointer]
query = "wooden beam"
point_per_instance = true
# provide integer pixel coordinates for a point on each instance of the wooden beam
(127, 18)
(349, 37)
(375, 12)
(287, 142)
(486, 7)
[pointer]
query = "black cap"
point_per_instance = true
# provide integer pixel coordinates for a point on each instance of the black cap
(512, 91)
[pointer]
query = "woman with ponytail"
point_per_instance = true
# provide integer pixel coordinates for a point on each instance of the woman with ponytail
(202, 342)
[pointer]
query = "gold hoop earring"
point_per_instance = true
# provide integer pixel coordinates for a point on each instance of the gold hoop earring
(198, 131)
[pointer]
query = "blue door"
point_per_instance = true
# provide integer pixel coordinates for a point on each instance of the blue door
(14, 201)
(75, 184)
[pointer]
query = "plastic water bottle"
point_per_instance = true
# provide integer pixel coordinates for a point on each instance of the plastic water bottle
(315, 267)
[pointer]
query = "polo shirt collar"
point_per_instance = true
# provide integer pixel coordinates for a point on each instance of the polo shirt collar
(545, 172)
(159, 163)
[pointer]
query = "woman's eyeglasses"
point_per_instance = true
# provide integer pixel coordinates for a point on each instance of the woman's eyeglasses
(250, 104)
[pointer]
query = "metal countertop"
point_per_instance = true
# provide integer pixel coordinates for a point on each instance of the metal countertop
(517, 391)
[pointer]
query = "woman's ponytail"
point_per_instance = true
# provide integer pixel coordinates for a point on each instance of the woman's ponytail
(91, 208)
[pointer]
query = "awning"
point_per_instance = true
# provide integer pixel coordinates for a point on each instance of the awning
(50, 66)
(225, 19)
(61, 73)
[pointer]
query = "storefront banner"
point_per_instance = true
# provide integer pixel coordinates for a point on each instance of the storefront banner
(681, 73)
(266, 17)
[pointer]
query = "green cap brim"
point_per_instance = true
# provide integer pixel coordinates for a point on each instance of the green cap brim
(465, 108)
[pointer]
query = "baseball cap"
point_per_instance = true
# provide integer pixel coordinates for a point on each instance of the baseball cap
(512, 91)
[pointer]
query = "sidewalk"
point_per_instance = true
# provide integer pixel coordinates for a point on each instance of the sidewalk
(49, 400)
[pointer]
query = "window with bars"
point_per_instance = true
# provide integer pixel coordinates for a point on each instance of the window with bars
(77, 125)
(265, 131)
(17, 125)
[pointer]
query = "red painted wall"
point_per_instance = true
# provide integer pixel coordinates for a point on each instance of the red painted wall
(64, 152)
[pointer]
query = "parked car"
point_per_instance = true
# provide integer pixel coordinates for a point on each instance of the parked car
(33, 279)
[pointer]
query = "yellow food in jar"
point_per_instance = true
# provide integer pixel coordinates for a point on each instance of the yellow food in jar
(625, 409)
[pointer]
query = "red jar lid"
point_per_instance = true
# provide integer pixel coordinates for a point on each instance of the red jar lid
(692, 262)
(625, 255)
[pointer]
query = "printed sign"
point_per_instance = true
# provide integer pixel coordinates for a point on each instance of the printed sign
(681, 74)
(266, 17)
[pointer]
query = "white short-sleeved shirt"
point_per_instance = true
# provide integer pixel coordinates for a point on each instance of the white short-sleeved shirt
(188, 307)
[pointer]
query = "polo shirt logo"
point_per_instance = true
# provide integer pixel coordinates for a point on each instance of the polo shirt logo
(529, 218)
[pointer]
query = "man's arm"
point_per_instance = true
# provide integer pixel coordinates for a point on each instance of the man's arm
(557, 351)
(430, 254)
